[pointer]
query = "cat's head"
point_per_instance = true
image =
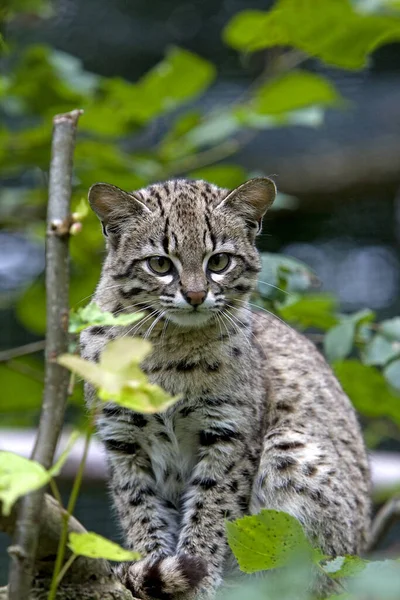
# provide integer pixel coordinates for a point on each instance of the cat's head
(185, 249)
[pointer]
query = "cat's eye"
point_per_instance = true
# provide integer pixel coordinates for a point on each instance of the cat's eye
(160, 265)
(219, 262)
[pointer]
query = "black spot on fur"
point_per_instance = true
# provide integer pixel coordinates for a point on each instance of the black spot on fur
(183, 366)
(185, 411)
(140, 496)
(121, 447)
(234, 486)
(97, 330)
(289, 445)
(206, 483)
(130, 293)
(285, 406)
(138, 420)
(221, 435)
(213, 366)
(285, 462)
(310, 470)
(236, 351)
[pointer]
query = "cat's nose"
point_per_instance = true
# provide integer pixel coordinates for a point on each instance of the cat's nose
(195, 298)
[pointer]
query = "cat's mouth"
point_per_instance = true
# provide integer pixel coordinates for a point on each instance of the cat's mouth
(190, 318)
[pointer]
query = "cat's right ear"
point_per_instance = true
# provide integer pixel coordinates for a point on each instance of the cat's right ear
(113, 205)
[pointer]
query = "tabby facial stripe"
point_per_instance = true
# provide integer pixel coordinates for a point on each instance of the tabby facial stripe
(207, 483)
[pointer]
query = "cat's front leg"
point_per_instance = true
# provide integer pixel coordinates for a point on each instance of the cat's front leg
(219, 489)
(148, 520)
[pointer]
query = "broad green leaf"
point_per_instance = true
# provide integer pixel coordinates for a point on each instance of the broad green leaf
(343, 566)
(368, 389)
(118, 376)
(380, 350)
(19, 476)
(339, 340)
(215, 129)
(93, 545)
(331, 30)
(226, 176)
(179, 77)
(391, 328)
(93, 315)
(293, 91)
(392, 374)
(267, 540)
(361, 317)
(311, 311)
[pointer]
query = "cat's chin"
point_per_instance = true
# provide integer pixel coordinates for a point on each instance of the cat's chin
(187, 318)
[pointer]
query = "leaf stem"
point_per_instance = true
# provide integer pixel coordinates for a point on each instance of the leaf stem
(58, 567)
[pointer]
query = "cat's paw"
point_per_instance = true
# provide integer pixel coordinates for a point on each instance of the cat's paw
(165, 578)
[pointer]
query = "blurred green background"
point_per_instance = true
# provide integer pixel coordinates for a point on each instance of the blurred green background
(306, 92)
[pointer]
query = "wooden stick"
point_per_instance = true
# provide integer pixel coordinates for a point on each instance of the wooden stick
(56, 377)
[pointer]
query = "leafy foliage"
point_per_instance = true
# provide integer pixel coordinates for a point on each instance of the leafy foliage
(119, 378)
(93, 545)
(332, 31)
(91, 315)
(19, 475)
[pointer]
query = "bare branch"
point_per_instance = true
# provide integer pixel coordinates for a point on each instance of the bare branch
(6, 355)
(385, 518)
(56, 377)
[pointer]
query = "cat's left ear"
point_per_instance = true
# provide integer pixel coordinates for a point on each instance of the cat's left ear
(113, 205)
(251, 199)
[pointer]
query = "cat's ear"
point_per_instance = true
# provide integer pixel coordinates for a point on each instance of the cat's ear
(251, 199)
(112, 205)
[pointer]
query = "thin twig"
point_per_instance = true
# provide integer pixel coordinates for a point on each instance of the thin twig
(56, 376)
(6, 355)
(385, 518)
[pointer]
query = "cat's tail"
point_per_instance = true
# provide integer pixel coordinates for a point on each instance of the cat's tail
(163, 578)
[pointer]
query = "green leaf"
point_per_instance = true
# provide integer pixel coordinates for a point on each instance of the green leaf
(93, 545)
(178, 78)
(343, 566)
(267, 540)
(118, 376)
(339, 340)
(294, 91)
(19, 476)
(93, 315)
(380, 350)
(226, 176)
(215, 129)
(331, 30)
(368, 390)
(311, 311)
(391, 328)
(362, 317)
(296, 276)
(392, 374)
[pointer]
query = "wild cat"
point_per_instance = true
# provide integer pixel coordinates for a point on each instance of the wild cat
(262, 423)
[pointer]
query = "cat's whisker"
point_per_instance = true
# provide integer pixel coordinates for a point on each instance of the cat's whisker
(246, 302)
(239, 323)
(156, 320)
(134, 330)
(276, 287)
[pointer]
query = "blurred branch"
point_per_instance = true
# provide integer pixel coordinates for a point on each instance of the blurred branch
(386, 517)
(56, 377)
(6, 355)
(87, 577)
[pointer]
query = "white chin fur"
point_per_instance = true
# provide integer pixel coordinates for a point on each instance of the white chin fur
(189, 319)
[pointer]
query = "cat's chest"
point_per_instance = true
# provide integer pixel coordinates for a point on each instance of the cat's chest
(172, 444)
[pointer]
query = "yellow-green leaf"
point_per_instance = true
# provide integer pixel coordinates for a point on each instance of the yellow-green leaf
(294, 91)
(118, 377)
(331, 30)
(19, 476)
(93, 545)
